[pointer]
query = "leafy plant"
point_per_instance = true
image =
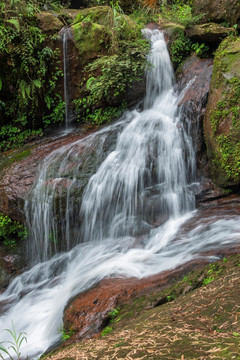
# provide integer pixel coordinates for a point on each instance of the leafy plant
(66, 334)
(180, 13)
(200, 50)
(118, 72)
(113, 313)
(207, 280)
(11, 231)
(106, 331)
(14, 345)
(180, 47)
(171, 297)
(28, 76)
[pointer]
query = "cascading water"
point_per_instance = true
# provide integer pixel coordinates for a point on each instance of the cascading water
(66, 35)
(143, 180)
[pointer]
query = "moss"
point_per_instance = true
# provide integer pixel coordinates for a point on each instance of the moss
(14, 156)
(100, 14)
(91, 39)
(222, 127)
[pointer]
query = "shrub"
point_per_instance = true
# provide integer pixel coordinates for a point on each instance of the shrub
(11, 231)
(180, 47)
(28, 78)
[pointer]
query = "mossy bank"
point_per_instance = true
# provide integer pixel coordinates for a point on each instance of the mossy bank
(222, 120)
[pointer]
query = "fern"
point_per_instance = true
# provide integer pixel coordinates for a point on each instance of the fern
(15, 23)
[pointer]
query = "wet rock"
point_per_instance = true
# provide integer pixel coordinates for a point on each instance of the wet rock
(221, 123)
(209, 33)
(18, 173)
(11, 263)
(208, 192)
(195, 77)
(219, 11)
(49, 23)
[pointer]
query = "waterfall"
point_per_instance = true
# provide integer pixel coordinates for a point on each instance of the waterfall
(66, 35)
(124, 222)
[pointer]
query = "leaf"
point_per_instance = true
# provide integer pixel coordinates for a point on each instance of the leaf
(15, 23)
(0, 84)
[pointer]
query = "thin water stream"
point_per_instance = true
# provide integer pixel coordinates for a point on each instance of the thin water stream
(106, 229)
(66, 36)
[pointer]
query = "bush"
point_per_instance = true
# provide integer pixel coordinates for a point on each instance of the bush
(11, 231)
(180, 48)
(28, 78)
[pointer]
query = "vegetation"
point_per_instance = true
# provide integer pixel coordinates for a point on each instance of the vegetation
(149, 326)
(31, 99)
(108, 78)
(224, 117)
(12, 346)
(11, 231)
(66, 334)
(29, 75)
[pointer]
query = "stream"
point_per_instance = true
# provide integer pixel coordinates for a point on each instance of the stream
(125, 221)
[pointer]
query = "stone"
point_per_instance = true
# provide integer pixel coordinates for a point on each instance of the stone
(209, 33)
(219, 11)
(222, 119)
(195, 75)
(91, 39)
(49, 23)
(18, 175)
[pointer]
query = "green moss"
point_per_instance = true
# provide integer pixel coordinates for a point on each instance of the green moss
(92, 39)
(106, 331)
(20, 156)
(99, 14)
(224, 138)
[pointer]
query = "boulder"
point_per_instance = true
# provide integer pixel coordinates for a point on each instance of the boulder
(49, 23)
(91, 39)
(18, 171)
(222, 119)
(219, 11)
(209, 33)
(194, 79)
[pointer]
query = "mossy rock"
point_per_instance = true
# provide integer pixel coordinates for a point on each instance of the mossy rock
(208, 33)
(104, 15)
(219, 11)
(94, 31)
(49, 23)
(99, 14)
(222, 119)
(91, 40)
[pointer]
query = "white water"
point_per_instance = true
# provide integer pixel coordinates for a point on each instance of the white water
(66, 35)
(143, 178)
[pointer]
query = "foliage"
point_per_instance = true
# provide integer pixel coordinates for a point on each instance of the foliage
(108, 78)
(201, 50)
(207, 280)
(180, 13)
(171, 297)
(66, 334)
(11, 231)
(106, 331)
(12, 136)
(113, 313)
(14, 345)
(180, 48)
(28, 77)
